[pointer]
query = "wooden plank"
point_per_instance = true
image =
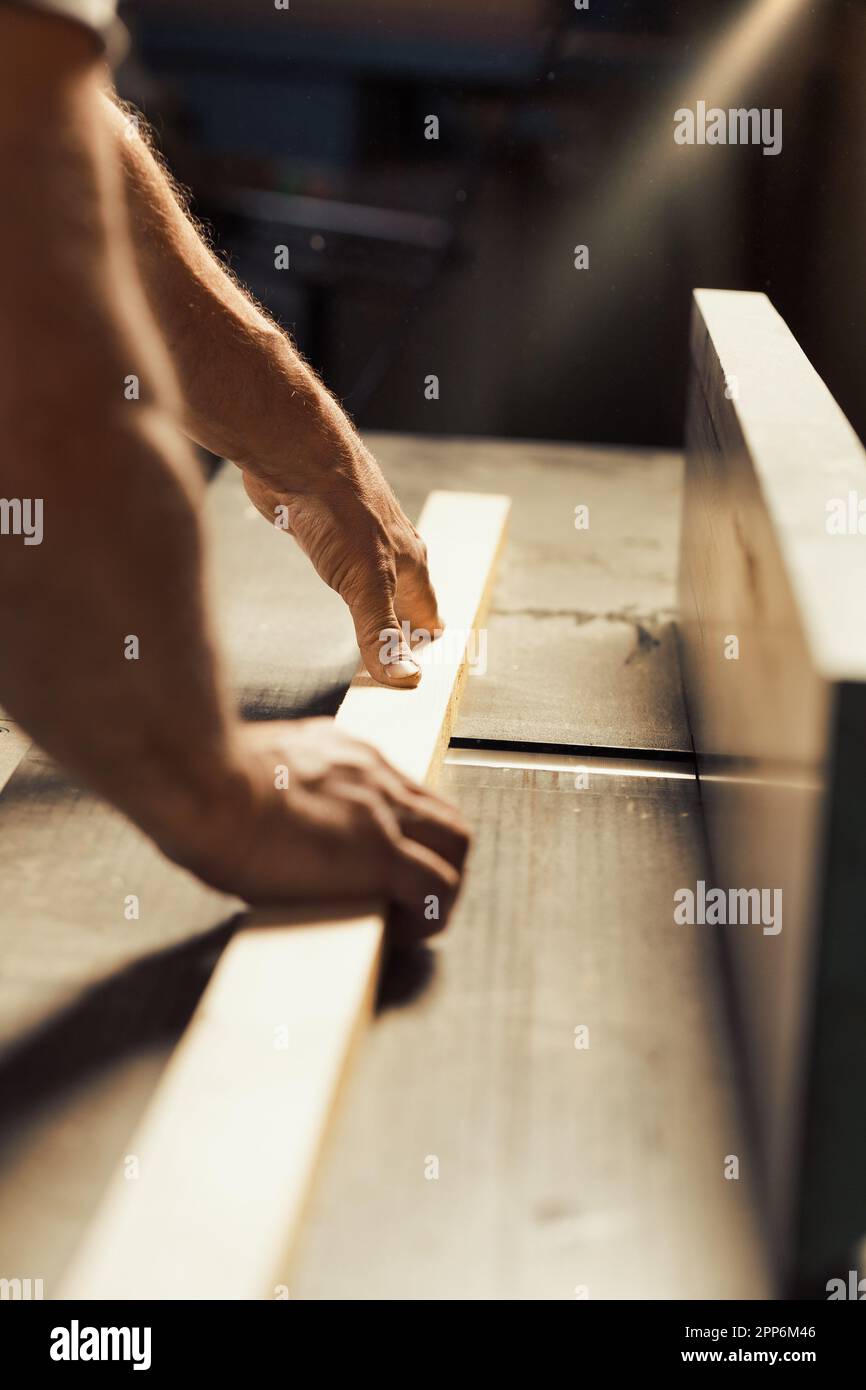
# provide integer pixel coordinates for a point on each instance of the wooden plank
(557, 1167)
(226, 1151)
(778, 733)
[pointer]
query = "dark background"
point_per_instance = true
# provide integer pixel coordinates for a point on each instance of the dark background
(409, 257)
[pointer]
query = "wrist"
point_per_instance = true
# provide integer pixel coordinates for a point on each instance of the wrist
(217, 834)
(189, 804)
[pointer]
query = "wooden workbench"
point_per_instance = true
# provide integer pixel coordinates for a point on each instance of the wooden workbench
(559, 1168)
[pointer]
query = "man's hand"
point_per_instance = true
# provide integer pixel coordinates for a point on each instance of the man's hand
(361, 543)
(313, 813)
(248, 395)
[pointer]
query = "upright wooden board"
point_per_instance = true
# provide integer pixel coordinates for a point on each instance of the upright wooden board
(224, 1158)
(773, 627)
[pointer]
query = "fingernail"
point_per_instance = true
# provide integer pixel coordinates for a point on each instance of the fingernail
(401, 670)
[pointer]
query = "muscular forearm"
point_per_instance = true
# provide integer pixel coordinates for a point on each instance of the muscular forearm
(247, 394)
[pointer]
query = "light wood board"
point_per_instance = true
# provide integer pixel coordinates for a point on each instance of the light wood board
(224, 1157)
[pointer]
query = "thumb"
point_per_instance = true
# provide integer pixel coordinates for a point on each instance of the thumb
(384, 649)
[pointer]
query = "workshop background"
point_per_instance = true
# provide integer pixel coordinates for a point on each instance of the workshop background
(304, 127)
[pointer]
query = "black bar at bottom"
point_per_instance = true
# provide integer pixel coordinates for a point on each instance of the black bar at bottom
(161, 1339)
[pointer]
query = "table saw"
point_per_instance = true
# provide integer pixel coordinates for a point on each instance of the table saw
(568, 1094)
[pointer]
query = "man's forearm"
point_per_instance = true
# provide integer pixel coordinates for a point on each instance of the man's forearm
(247, 393)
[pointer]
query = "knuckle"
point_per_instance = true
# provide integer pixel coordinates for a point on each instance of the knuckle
(370, 817)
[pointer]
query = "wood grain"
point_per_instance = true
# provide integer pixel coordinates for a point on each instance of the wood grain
(778, 733)
(547, 1167)
(253, 1082)
(558, 1167)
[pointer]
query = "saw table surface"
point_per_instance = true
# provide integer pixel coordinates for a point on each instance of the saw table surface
(581, 644)
(560, 1167)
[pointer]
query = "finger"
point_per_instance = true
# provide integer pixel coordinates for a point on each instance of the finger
(422, 888)
(402, 785)
(437, 826)
(384, 649)
(413, 810)
(416, 599)
(414, 799)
